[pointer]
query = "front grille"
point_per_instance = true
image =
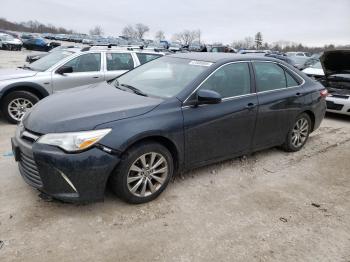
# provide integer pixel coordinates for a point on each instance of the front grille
(333, 106)
(29, 170)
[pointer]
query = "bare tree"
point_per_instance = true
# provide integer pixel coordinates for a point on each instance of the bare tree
(129, 31)
(159, 36)
(258, 40)
(141, 30)
(97, 30)
(186, 37)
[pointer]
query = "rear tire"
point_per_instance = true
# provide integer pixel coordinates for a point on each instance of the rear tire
(143, 173)
(15, 104)
(298, 133)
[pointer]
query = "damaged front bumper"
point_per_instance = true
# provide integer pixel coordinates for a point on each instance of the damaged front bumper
(79, 177)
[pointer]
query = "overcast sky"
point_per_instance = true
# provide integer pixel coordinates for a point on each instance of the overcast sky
(312, 22)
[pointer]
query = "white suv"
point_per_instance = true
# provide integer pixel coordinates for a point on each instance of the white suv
(21, 88)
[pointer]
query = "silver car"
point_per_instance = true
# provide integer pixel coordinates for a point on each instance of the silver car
(21, 88)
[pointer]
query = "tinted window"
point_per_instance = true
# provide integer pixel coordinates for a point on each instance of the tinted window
(230, 80)
(144, 58)
(85, 63)
(119, 61)
(269, 76)
(290, 80)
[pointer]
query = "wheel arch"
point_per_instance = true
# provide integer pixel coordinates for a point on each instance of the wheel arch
(165, 141)
(36, 89)
(312, 117)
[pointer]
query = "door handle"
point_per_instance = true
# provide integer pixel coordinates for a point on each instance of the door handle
(250, 105)
(95, 77)
(298, 94)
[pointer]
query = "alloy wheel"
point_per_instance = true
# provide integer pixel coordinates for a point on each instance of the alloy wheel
(300, 132)
(18, 107)
(147, 174)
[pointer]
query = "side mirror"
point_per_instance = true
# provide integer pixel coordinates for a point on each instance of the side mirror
(205, 96)
(64, 70)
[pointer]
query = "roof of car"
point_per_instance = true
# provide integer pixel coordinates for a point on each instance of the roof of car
(216, 57)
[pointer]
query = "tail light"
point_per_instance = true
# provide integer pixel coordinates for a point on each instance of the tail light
(324, 93)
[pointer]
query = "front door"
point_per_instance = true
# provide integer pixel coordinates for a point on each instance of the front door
(226, 129)
(86, 70)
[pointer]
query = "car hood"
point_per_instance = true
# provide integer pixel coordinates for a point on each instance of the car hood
(14, 73)
(13, 41)
(336, 62)
(83, 108)
(313, 71)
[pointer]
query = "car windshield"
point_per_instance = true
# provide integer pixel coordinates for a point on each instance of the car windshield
(164, 77)
(47, 61)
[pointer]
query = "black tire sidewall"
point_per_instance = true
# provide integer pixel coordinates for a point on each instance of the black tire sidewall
(118, 181)
(289, 145)
(13, 95)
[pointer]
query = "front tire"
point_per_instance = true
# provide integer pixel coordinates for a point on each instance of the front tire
(143, 173)
(298, 134)
(16, 104)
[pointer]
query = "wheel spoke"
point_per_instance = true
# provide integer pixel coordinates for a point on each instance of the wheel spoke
(143, 161)
(153, 157)
(143, 190)
(134, 178)
(135, 168)
(158, 163)
(135, 187)
(162, 170)
(151, 186)
(160, 180)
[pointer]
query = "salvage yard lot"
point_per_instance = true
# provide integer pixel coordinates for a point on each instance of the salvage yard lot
(268, 206)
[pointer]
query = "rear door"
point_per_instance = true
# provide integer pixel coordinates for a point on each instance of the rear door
(118, 63)
(280, 97)
(87, 69)
(221, 130)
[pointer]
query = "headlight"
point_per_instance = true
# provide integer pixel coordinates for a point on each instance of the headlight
(76, 141)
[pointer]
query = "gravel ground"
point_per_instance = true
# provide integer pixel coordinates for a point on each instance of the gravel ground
(268, 206)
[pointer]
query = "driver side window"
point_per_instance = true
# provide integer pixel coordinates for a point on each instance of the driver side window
(230, 80)
(85, 63)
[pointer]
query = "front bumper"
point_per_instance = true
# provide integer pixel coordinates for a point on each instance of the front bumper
(339, 105)
(79, 177)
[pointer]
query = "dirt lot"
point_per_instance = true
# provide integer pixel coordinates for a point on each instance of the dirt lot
(269, 206)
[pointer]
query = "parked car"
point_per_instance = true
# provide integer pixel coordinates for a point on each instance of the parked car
(175, 47)
(36, 56)
(221, 49)
(336, 66)
(315, 71)
(283, 58)
(197, 47)
(166, 116)
(39, 44)
(8, 42)
(21, 88)
(301, 54)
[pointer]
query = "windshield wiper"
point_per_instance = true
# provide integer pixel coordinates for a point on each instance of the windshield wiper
(134, 89)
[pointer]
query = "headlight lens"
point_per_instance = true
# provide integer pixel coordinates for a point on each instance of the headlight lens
(76, 141)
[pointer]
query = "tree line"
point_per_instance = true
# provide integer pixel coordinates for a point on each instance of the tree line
(185, 37)
(32, 27)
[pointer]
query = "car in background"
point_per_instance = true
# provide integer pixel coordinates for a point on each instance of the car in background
(197, 47)
(175, 47)
(39, 44)
(170, 115)
(315, 71)
(8, 42)
(33, 57)
(220, 49)
(21, 88)
(282, 57)
(301, 54)
(336, 67)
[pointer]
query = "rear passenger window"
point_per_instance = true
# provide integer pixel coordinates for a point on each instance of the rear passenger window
(290, 80)
(119, 61)
(230, 80)
(269, 76)
(144, 58)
